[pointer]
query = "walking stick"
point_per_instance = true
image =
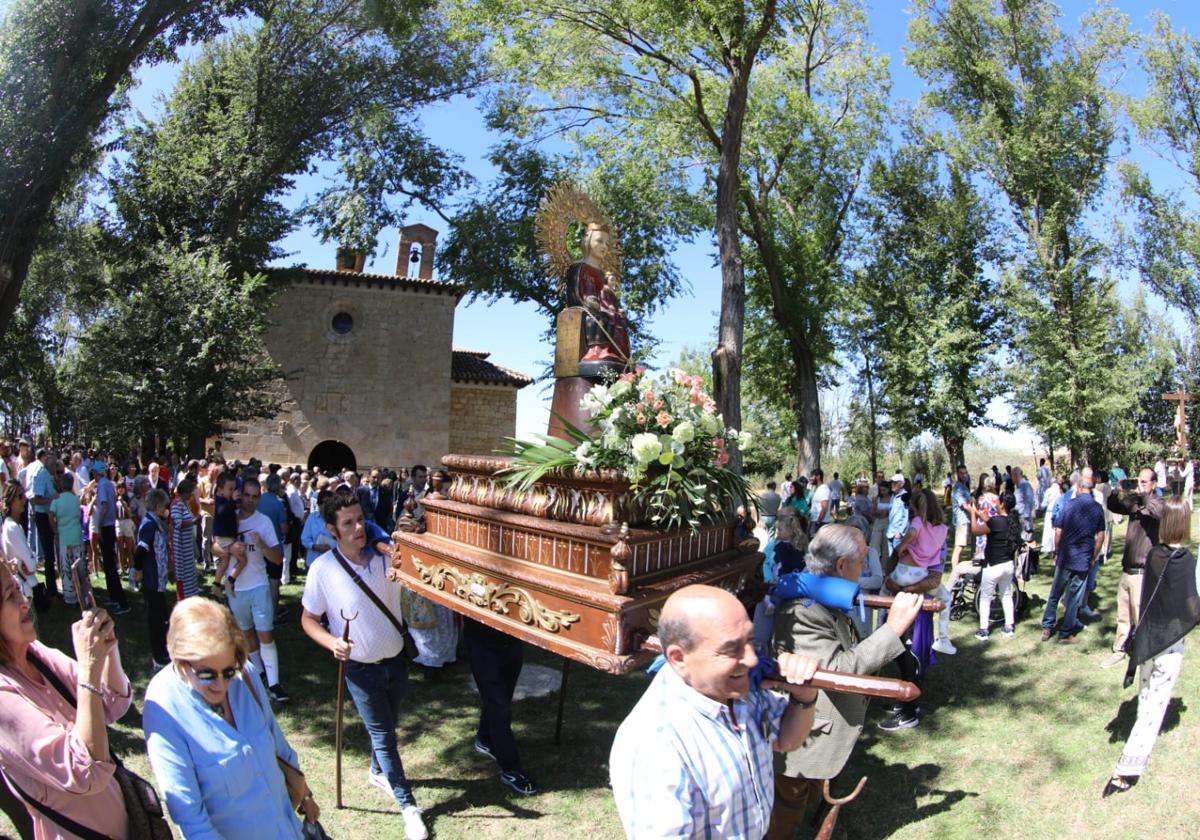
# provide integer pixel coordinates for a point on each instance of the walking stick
(835, 805)
(341, 696)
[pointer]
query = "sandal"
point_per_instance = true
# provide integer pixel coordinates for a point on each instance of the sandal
(1118, 784)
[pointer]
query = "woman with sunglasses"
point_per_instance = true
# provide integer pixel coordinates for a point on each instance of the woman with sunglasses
(54, 747)
(213, 740)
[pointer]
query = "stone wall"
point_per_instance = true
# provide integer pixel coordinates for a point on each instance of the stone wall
(481, 416)
(382, 388)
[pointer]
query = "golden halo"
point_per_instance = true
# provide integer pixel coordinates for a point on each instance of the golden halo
(564, 205)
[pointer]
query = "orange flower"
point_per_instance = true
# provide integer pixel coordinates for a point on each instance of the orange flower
(663, 419)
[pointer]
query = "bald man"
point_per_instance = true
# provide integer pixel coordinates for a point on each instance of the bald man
(693, 758)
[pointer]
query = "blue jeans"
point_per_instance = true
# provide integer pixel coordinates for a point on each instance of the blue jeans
(377, 690)
(1070, 587)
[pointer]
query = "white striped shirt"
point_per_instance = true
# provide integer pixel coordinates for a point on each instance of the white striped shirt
(680, 768)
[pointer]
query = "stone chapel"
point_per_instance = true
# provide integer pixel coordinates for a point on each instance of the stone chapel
(371, 376)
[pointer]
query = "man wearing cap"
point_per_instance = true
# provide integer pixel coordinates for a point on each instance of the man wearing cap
(898, 513)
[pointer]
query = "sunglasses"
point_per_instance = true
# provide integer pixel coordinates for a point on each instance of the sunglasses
(207, 676)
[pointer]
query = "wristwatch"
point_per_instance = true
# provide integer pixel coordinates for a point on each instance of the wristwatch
(793, 700)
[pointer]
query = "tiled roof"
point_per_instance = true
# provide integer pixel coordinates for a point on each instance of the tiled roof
(347, 278)
(473, 366)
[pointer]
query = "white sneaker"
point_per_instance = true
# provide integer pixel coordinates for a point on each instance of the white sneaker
(414, 826)
(944, 645)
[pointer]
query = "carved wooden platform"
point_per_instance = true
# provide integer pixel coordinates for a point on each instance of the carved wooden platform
(549, 567)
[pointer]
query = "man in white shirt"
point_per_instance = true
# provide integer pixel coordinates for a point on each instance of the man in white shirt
(376, 670)
(1043, 480)
(250, 598)
(821, 507)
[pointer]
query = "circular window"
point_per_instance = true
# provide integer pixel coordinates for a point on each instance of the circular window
(343, 322)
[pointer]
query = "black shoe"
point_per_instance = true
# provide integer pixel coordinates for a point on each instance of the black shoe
(519, 782)
(894, 724)
(119, 609)
(1118, 784)
(484, 750)
(278, 694)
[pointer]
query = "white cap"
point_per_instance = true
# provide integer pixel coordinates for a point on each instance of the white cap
(919, 478)
(898, 477)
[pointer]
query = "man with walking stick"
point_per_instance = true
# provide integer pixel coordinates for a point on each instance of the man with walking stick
(352, 577)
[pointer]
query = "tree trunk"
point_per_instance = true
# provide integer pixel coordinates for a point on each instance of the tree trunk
(873, 422)
(956, 449)
(195, 445)
(727, 357)
(808, 416)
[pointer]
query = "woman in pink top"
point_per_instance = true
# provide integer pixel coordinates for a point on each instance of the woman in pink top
(922, 546)
(57, 753)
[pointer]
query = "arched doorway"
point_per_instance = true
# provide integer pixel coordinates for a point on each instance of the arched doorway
(330, 456)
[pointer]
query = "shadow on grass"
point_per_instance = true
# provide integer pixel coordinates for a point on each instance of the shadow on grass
(1122, 723)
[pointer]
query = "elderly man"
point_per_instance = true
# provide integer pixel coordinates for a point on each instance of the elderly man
(829, 634)
(1079, 536)
(693, 758)
(1026, 502)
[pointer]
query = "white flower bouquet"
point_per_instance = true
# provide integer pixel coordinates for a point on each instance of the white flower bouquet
(663, 434)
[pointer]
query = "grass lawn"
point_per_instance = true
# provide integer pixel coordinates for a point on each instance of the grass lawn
(1017, 741)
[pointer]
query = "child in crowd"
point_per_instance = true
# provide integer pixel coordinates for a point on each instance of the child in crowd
(924, 543)
(152, 565)
(225, 526)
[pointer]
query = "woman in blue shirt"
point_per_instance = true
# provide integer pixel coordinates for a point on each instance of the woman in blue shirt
(212, 741)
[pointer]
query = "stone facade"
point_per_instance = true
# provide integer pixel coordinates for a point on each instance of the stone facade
(481, 417)
(378, 381)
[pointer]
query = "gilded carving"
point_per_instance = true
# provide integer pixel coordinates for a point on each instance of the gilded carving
(476, 589)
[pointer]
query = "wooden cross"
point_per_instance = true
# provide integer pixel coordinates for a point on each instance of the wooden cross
(1181, 398)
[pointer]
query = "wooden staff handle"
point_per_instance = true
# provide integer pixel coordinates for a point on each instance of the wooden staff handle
(836, 681)
(884, 602)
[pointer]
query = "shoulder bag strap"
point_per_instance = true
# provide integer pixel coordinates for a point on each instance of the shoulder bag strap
(54, 816)
(58, 685)
(370, 593)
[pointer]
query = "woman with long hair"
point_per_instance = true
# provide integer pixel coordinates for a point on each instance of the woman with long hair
(13, 544)
(125, 528)
(1169, 609)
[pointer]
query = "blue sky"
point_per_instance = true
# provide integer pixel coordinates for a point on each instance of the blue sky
(512, 331)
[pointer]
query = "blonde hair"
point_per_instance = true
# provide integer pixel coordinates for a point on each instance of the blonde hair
(201, 628)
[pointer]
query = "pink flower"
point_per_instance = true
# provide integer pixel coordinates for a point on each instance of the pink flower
(658, 404)
(719, 443)
(721, 458)
(649, 396)
(663, 419)
(710, 407)
(640, 370)
(627, 377)
(681, 378)
(641, 418)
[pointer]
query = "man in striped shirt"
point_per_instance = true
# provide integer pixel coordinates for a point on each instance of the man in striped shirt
(693, 758)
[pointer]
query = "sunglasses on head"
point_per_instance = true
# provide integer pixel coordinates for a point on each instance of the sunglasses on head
(207, 676)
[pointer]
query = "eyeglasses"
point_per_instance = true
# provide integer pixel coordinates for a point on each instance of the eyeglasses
(208, 676)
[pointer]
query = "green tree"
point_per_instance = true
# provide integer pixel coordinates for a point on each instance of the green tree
(318, 81)
(176, 352)
(63, 65)
(1030, 111)
(928, 243)
(1168, 119)
(668, 78)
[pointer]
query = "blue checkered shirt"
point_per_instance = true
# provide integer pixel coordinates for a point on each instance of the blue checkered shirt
(681, 768)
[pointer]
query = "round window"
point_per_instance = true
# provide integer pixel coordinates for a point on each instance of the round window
(343, 323)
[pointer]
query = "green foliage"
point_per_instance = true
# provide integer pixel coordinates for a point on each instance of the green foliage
(318, 80)
(1167, 247)
(63, 64)
(934, 315)
(1030, 111)
(177, 351)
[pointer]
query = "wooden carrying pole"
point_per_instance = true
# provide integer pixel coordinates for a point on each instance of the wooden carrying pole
(839, 681)
(884, 602)
(341, 698)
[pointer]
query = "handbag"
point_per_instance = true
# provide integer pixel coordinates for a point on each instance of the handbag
(410, 645)
(142, 805)
(293, 777)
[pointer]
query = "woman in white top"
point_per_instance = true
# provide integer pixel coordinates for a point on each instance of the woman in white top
(13, 544)
(883, 506)
(1052, 494)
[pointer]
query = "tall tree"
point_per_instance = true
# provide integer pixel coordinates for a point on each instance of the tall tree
(928, 245)
(1168, 118)
(62, 66)
(666, 75)
(1030, 111)
(317, 81)
(816, 117)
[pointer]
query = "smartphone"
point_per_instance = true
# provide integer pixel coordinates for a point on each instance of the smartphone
(1128, 483)
(83, 583)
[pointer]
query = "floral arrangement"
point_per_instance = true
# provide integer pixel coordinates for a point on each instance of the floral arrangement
(663, 434)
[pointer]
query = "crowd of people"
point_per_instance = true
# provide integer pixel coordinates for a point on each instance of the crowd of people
(209, 543)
